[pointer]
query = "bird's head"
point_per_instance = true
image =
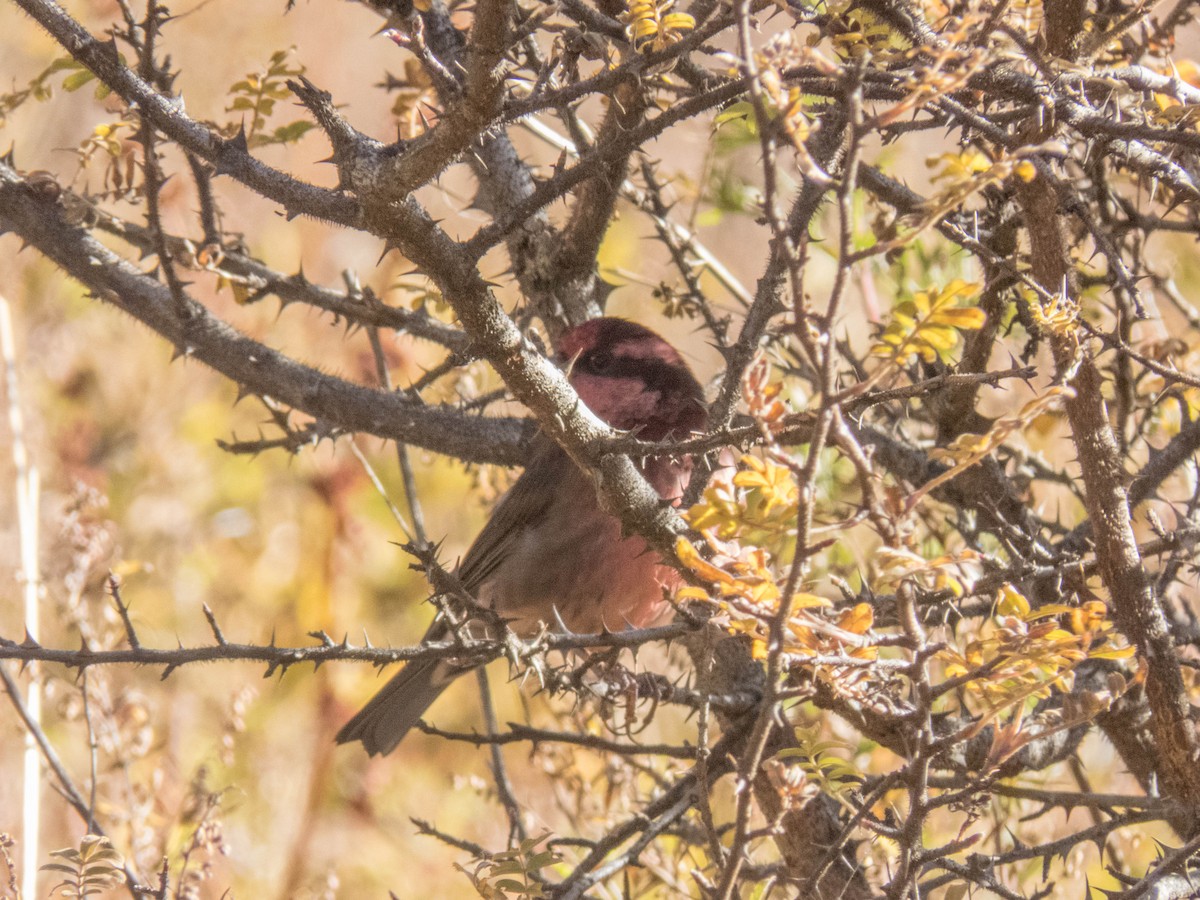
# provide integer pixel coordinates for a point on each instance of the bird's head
(633, 379)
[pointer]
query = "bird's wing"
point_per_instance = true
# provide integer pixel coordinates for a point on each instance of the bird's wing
(524, 506)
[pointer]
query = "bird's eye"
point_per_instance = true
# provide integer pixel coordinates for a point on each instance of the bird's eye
(600, 362)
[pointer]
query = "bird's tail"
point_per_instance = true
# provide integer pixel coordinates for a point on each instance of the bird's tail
(386, 719)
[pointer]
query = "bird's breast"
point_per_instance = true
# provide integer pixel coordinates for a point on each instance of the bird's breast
(573, 565)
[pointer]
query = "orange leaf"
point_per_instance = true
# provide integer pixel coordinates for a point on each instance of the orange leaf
(857, 620)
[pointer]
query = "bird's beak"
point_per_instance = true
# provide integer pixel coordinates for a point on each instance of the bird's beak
(569, 364)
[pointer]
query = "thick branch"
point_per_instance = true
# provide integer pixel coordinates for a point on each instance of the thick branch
(263, 281)
(381, 175)
(253, 366)
(1136, 608)
(597, 197)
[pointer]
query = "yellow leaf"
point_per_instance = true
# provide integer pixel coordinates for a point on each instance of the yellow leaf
(968, 318)
(126, 567)
(1012, 602)
(1051, 609)
(678, 22)
(953, 670)
(937, 337)
(644, 28)
(857, 620)
(802, 635)
(1113, 653)
(945, 582)
(691, 558)
(809, 601)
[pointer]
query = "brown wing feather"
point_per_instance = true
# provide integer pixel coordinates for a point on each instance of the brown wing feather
(400, 703)
(524, 505)
(397, 707)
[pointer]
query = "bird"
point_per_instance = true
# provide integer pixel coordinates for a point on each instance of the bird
(550, 555)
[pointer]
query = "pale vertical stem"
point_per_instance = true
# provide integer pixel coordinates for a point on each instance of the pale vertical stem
(26, 492)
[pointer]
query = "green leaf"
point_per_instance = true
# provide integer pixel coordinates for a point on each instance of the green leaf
(287, 134)
(511, 885)
(77, 80)
(734, 112)
(61, 64)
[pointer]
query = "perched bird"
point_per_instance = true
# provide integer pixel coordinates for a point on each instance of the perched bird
(549, 553)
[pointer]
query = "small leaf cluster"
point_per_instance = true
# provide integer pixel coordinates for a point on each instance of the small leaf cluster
(1025, 656)
(862, 33)
(96, 866)
(823, 768)
(652, 26)
(928, 324)
(741, 515)
(1031, 650)
(964, 175)
(257, 95)
(110, 142)
(515, 872)
(40, 88)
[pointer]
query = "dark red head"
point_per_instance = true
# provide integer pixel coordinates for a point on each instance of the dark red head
(633, 379)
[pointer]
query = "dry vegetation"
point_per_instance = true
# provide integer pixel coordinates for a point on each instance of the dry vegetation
(936, 264)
